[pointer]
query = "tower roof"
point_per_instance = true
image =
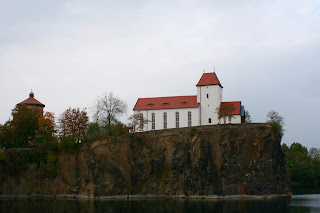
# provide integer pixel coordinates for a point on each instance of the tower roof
(32, 101)
(209, 79)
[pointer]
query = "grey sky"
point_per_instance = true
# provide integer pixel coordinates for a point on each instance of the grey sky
(266, 54)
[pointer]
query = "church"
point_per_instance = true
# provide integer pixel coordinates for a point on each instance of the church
(187, 111)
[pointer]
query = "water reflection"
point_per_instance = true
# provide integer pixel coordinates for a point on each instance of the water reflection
(301, 203)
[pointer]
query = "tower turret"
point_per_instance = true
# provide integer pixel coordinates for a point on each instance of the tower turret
(33, 103)
(209, 96)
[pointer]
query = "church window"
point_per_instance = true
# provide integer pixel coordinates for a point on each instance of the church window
(189, 119)
(207, 95)
(230, 119)
(209, 120)
(165, 120)
(153, 121)
(177, 119)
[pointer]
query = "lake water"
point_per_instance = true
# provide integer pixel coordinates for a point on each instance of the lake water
(297, 203)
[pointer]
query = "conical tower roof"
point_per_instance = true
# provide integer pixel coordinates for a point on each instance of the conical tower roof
(209, 79)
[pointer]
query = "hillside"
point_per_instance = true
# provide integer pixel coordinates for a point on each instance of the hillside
(243, 159)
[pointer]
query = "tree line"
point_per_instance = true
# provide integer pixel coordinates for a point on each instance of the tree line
(302, 166)
(28, 127)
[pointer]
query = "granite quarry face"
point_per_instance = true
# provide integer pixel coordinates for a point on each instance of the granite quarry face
(208, 161)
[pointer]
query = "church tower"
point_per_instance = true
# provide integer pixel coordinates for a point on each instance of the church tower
(209, 96)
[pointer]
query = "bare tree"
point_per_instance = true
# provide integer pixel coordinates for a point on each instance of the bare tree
(247, 117)
(225, 111)
(137, 122)
(274, 116)
(314, 152)
(276, 121)
(107, 109)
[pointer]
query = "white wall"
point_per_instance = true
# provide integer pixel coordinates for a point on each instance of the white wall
(171, 118)
(208, 105)
(236, 119)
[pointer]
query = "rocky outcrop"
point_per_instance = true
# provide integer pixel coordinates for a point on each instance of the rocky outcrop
(241, 159)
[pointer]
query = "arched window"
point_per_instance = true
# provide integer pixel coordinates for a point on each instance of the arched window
(189, 119)
(153, 121)
(177, 119)
(141, 121)
(209, 120)
(165, 120)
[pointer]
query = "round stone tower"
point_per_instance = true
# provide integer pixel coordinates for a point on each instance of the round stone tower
(33, 103)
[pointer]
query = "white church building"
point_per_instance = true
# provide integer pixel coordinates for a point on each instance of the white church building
(187, 111)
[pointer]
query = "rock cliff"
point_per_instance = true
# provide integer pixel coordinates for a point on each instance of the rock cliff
(241, 159)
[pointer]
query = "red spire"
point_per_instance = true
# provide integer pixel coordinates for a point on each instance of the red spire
(209, 79)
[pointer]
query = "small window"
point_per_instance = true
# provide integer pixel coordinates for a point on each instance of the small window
(150, 104)
(153, 121)
(189, 119)
(207, 95)
(209, 120)
(165, 103)
(183, 102)
(165, 120)
(229, 119)
(177, 119)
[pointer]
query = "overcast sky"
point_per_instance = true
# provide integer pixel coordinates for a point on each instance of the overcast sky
(266, 54)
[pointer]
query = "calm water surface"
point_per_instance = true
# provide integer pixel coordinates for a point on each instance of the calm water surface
(298, 203)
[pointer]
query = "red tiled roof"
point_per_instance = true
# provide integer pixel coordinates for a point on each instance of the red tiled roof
(236, 104)
(209, 79)
(173, 102)
(32, 101)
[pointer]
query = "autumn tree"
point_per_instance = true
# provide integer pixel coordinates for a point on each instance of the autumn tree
(276, 121)
(47, 126)
(137, 122)
(225, 111)
(107, 110)
(73, 122)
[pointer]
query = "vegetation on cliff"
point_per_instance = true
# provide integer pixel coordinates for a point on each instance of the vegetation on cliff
(276, 121)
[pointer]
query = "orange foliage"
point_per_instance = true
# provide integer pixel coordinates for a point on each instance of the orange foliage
(73, 121)
(47, 124)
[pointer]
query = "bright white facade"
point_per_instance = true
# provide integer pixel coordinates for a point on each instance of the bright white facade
(188, 111)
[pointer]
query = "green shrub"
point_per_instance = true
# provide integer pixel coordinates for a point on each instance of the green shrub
(68, 144)
(277, 127)
(94, 132)
(194, 129)
(3, 157)
(52, 162)
(37, 155)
